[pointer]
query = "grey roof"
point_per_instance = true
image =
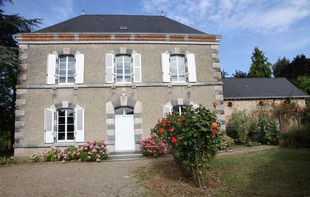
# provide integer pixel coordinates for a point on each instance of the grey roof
(120, 24)
(263, 88)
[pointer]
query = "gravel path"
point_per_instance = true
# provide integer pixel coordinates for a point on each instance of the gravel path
(73, 179)
(48, 179)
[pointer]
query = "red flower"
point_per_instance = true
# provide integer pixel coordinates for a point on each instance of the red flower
(179, 120)
(174, 140)
(214, 125)
(302, 111)
(215, 104)
(171, 130)
(214, 132)
(165, 122)
(161, 130)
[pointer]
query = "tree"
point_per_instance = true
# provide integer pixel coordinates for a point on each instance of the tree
(240, 74)
(280, 66)
(299, 66)
(260, 67)
(224, 73)
(303, 83)
(10, 25)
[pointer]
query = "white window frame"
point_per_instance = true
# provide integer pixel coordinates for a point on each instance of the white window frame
(177, 75)
(66, 75)
(123, 75)
(180, 108)
(190, 68)
(65, 125)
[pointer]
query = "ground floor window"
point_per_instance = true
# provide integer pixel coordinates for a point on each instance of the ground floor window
(179, 108)
(65, 125)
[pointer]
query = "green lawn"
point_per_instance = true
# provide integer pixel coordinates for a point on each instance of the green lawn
(274, 172)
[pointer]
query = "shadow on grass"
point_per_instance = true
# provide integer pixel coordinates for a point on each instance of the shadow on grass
(275, 172)
(281, 173)
(6, 153)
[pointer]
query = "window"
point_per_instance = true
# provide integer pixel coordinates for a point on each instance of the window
(66, 69)
(179, 108)
(64, 124)
(229, 104)
(177, 68)
(123, 68)
(124, 111)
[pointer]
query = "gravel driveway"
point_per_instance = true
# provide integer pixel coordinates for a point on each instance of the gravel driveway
(118, 178)
(73, 179)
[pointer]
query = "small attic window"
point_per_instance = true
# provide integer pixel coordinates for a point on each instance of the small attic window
(123, 27)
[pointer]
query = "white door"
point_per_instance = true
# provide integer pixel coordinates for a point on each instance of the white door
(124, 133)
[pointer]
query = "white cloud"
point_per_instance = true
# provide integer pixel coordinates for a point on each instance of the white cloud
(261, 16)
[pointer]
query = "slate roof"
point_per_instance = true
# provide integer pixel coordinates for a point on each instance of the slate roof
(260, 88)
(120, 24)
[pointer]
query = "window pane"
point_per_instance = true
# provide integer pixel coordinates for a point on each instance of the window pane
(70, 112)
(70, 128)
(62, 80)
(61, 128)
(61, 120)
(70, 136)
(62, 59)
(61, 136)
(61, 112)
(71, 59)
(70, 120)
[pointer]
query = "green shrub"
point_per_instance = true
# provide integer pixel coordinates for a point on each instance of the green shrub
(6, 160)
(193, 138)
(296, 137)
(238, 127)
(267, 129)
(226, 141)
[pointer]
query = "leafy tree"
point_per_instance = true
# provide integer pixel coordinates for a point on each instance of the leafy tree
(240, 74)
(10, 25)
(260, 67)
(299, 66)
(280, 66)
(224, 73)
(303, 83)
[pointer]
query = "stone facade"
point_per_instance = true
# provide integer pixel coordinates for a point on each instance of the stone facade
(100, 99)
(253, 105)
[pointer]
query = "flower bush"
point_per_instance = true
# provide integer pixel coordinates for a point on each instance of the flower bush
(90, 151)
(152, 147)
(193, 138)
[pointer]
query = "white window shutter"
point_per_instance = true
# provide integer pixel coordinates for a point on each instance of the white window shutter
(191, 66)
(166, 110)
(79, 124)
(109, 68)
(165, 67)
(79, 68)
(49, 125)
(51, 69)
(137, 77)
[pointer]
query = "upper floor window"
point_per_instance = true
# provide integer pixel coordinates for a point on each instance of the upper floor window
(123, 68)
(65, 69)
(178, 67)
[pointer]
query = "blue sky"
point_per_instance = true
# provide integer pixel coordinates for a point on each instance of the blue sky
(277, 27)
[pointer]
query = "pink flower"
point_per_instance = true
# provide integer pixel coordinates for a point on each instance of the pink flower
(97, 160)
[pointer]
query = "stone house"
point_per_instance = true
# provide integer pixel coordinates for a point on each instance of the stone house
(253, 94)
(110, 77)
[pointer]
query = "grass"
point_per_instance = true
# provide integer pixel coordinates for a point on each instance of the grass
(274, 172)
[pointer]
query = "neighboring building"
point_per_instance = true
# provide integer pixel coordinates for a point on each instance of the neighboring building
(253, 94)
(110, 77)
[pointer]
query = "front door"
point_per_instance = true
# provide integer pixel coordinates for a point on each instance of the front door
(124, 133)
